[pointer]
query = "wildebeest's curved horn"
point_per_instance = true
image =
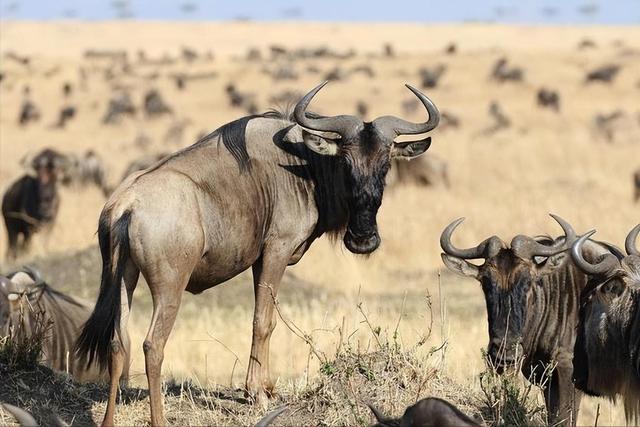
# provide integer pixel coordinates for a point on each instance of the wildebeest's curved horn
(379, 417)
(488, 248)
(343, 125)
(394, 126)
(630, 241)
(526, 247)
(24, 418)
(268, 419)
(608, 263)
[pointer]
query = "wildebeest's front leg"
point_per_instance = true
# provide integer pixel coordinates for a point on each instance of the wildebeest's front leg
(561, 397)
(267, 273)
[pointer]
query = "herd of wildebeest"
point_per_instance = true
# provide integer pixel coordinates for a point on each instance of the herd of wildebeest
(258, 191)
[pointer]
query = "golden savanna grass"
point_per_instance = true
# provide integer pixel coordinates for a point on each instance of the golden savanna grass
(504, 184)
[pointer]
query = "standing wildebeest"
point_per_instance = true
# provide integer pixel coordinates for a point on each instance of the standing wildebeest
(549, 98)
(87, 169)
(636, 186)
(254, 193)
(31, 203)
(25, 300)
(429, 412)
(606, 357)
(532, 307)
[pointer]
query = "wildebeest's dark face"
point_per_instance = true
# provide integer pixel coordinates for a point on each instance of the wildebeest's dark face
(609, 308)
(366, 148)
(506, 283)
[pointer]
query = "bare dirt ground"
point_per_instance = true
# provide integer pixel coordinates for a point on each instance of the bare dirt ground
(505, 183)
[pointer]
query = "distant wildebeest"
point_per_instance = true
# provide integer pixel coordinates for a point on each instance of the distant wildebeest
(143, 163)
(25, 300)
(586, 44)
(636, 186)
(119, 105)
(239, 99)
(449, 120)
(363, 69)
(362, 108)
(604, 74)
(66, 114)
(255, 193)
(532, 291)
(451, 49)
(501, 72)
(500, 119)
(430, 76)
(154, 104)
(425, 171)
(87, 169)
(67, 89)
(31, 203)
(606, 357)
(605, 123)
(429, 412)
(388, 50)
(29, 112)
(549, 98)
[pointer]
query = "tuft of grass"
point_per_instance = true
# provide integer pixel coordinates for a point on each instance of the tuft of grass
(21, 347)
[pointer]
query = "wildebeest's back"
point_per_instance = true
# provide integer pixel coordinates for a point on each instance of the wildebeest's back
(239, 198)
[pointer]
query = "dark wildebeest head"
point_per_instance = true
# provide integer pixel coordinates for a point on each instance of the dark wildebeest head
(366, 149)
(429, 412)
(507, 277)
(48, 165)
(606, 360)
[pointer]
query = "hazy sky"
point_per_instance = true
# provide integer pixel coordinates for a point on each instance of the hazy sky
(528, 11)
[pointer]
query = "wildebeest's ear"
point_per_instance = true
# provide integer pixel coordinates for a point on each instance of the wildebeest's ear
(460, 266)
(411, 149)
(320, 145)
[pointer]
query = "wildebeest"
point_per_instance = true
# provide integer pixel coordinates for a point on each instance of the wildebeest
(604, 123)
(532, 290)
(87, 169)
(256, 193)
(31, 203)
(604, 74)
(29, 112)
(430, 76)
(119, 105)
(549, 98)
(66, 114)
(25, 299)
(154, 104)
(606, 357)
(636, 186)
(429, 412)
(142, 163)
(425, 171)
(501, 72)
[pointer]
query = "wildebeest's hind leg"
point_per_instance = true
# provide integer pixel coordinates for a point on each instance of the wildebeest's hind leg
(12, 235)
(119, 356)
(166, 287)
(267, 274)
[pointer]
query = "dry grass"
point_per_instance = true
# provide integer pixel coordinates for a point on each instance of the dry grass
(504, 184)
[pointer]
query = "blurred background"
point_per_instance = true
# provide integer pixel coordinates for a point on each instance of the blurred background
(540, 113)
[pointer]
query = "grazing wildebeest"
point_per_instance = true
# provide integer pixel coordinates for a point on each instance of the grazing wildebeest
(119, 105)
(502, 73)
(429, 412)
(25, 299)
(606, 359)
(255, 193)
(143, 163)
(87, 169)
(154, 104)
(424, 171)
(532, 290)
(430, 76)
(605, 123)
(31, 203)
(66, 114)
(29, 112)
(604, 74)
(549, 98)
(636, 186)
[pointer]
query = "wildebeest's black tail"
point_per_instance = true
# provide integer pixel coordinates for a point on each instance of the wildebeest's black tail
(96, 336)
